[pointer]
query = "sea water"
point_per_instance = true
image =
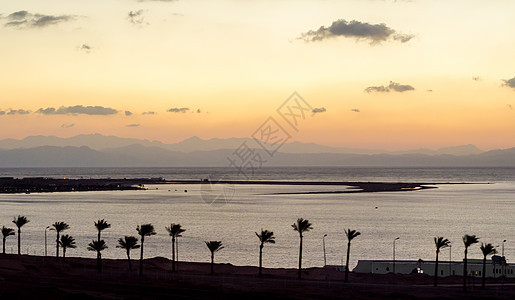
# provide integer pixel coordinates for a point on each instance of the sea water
(484, 208)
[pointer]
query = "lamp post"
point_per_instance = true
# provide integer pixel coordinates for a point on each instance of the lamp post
(503, 248)
(46, 240)
(503, 270)
(394, 254)
(450, 259)
(323, 243)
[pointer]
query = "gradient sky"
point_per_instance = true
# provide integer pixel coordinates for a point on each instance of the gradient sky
(390, 74)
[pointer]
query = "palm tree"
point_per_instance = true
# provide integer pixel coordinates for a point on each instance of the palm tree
(440, 243)
(98, 246)
(128, 243)
(264, 237)
(468, 240)
(487, 249)
(59, 227)
(101, 225)
(214, 246)
(67, 241)
(351, 234)
(301, 226)
(144, 230)
(5, 233)
(174, 230)
(19, 222)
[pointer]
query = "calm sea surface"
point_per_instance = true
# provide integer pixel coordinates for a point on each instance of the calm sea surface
(485, 208)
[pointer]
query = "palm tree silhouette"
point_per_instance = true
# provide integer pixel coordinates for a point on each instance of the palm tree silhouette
(468, 240)
(144, 230)
(128, 243)
(67, 241)
(487, 249)
(440, 243)
(214, 246)
(174, 230)
(98, 246)
(301, 226)
(5, 233)
(351, 234)
(19, 222)
(264, 237)
(101, 225)
(59, 227)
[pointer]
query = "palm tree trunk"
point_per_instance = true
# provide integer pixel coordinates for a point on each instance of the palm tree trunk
(129, 259)
(299, 276)
(19, 241)
(260, 259)
(212, 262)
(484, 271)
(99, 235)
(57, 246)
(347, 263)
(99, 262)
(3, 245)
(64, 253)
(141, 256)
(173, 254)
(435, 282)
(465, 271)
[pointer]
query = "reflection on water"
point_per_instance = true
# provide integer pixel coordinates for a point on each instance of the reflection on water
(485, 210)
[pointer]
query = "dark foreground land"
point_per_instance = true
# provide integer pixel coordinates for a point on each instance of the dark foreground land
(9, 185)
(32, 277)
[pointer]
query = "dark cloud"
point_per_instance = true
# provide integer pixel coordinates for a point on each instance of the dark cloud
(149, 113)
(429, 91)
(137, 17)
(67, 125)
(198, 111)
(509, 82)
(509, 106)
(476, 78)
(355, 110)
(393, 86)
(78, 110)
(178, 110)
(86, 48)
(25, 19)
(374, 33)
(318, 110)
(128, 113)
(132, 125)
(11, 112)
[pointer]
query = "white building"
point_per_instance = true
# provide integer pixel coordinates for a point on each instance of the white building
(445, 268)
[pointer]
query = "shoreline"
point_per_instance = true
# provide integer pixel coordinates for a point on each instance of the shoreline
(46, 278)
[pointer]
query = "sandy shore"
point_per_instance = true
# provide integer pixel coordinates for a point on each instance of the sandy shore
(33, 277)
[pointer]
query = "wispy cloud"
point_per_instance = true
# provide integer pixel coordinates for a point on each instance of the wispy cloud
(132, 125)
(509, 82)
(78, 110)
(374, 33)
(476, 78)
(319, 110)
(85, 48)
(509, 106)
(149, 113)
(355, 110)
(179, 110)
(67, 125)
(137, 17)
(24, 19)
(128, 113)
(393, 86)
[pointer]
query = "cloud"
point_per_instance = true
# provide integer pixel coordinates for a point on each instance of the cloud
(128, 113)
(78, 110)
(393, 86)
(374, 33)
(25, 19)
(179, 110)
(149, 113)
(67, 125)
(509, 82)
(509, 106)
(355, 110)
(132, 125)
(11, 112)
(318, 110)
(198, 111)
(86, 48)
(476, 78)
(429, 91)
(137, 17)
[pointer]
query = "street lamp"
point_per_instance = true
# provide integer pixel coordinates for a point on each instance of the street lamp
(394, 254)
(323, 243)
(503, 247)
(46, 240)
(450, 259)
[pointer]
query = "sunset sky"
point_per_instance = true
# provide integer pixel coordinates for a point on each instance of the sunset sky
(383, 74)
